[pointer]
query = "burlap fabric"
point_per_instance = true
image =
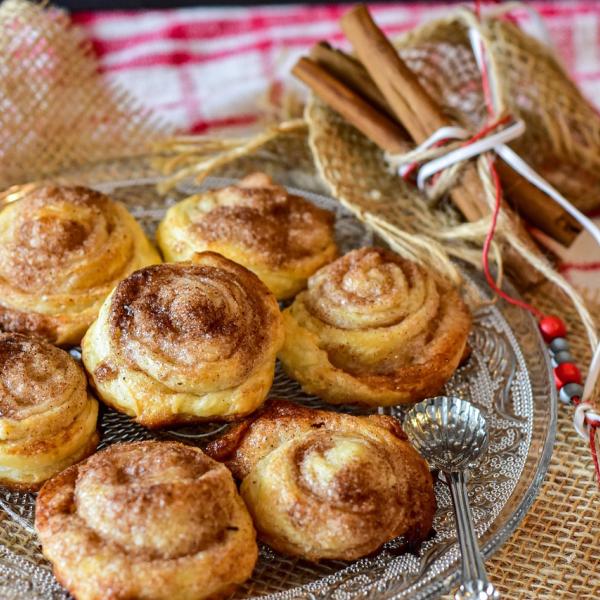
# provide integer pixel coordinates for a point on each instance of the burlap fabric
(555, 551)
(57, 113)
(55, 110)
(526, 80)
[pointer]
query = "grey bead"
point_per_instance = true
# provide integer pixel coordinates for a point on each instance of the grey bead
(562, 357)
(570, 391)
(559, 345)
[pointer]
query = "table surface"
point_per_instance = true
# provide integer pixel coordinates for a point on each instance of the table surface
(80, 5)
(207, 70)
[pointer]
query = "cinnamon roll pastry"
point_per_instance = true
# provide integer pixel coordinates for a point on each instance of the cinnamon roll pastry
(374, 328)
(281, 237)
(152, 520)
(62, 250)
(324, 485)
(47, 418)
(184, 342)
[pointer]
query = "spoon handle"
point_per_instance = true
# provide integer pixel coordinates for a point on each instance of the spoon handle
(475, 584)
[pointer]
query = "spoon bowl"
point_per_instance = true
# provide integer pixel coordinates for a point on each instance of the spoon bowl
(450, 433)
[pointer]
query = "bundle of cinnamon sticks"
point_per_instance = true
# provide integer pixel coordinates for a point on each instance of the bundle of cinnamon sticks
(379, 94)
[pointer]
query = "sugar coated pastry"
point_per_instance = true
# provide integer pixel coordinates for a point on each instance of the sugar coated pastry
(47, 417)
(62, 250)
(325, 485)
(376, 329)
(153, 520)
(186, 341)
(281, 237)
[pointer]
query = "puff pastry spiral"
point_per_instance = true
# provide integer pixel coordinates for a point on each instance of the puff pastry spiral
(281, 237)
(62, 249)
(185, 341)
(373, 328)
(323, 485)
(152, 520)
(47, 418)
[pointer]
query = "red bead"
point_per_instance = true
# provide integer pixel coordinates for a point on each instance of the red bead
(557, 382)
(552, 327)
(567, 373)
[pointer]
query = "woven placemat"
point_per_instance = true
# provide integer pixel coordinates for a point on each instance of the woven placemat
(555, 552)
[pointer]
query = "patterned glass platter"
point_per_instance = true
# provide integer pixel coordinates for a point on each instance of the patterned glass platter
(508, 376)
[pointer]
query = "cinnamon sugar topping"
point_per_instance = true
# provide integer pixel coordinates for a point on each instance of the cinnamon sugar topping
(280, 227)
(32, 373)
(52, 230)
(193, 313)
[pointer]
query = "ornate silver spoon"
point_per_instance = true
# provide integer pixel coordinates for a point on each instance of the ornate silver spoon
(451, 434)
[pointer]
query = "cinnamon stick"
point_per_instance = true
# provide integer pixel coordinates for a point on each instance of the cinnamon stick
(350, 71)
(421, 116)
(379, 128)
(533, 204)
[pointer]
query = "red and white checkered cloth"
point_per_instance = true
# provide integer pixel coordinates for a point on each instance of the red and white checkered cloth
(208, 68)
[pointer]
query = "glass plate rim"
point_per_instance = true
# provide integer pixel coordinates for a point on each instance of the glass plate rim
(440, 585)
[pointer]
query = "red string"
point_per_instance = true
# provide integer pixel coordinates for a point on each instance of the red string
(488, 128)
(487, 94)
(591, 266)
(593, 427)
(488, 242)
(498, 197)
(484, 75)
(593, 424)
(412, 167)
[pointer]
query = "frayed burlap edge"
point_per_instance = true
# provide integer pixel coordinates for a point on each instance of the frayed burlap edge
(56, 109)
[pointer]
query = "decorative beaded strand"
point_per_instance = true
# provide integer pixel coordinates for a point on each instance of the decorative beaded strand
(567, 375)
(568, 380)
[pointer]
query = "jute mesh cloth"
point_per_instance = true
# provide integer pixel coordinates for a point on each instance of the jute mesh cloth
(55, 109)
(555, 553)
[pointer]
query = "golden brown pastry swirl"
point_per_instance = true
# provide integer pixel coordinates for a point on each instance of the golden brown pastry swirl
(47, 418)
(281, 237)
(323, 485)
(154, 520)
(185, 341)
(374, 328)
(62, 249)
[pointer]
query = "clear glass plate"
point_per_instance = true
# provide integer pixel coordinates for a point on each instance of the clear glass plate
(508, 376)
